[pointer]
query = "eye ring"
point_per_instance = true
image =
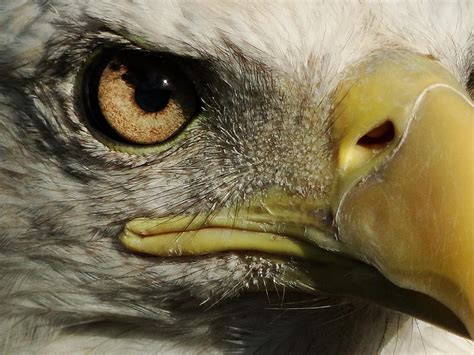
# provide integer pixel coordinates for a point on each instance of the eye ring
(136, 99)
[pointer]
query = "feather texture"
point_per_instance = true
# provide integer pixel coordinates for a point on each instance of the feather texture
(265, 69)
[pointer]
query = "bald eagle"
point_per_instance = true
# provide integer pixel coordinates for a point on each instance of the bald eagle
(219, 176)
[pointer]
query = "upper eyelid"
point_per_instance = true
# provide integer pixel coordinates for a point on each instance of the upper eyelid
(80, 49)
(75, 54)
(76, 48)
(71, 51)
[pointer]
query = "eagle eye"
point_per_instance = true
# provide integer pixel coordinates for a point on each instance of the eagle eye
(137, 98)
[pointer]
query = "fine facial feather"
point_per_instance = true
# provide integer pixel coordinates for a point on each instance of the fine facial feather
(265, 70)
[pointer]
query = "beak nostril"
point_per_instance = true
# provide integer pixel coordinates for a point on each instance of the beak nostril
(378, 137)
(353, 155)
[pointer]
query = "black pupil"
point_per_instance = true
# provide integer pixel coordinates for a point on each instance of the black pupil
(151, 99)
(152, 91)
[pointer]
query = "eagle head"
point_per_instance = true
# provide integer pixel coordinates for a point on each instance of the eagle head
(227, 177)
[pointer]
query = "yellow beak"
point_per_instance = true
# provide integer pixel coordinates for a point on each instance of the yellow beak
(409, 209)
